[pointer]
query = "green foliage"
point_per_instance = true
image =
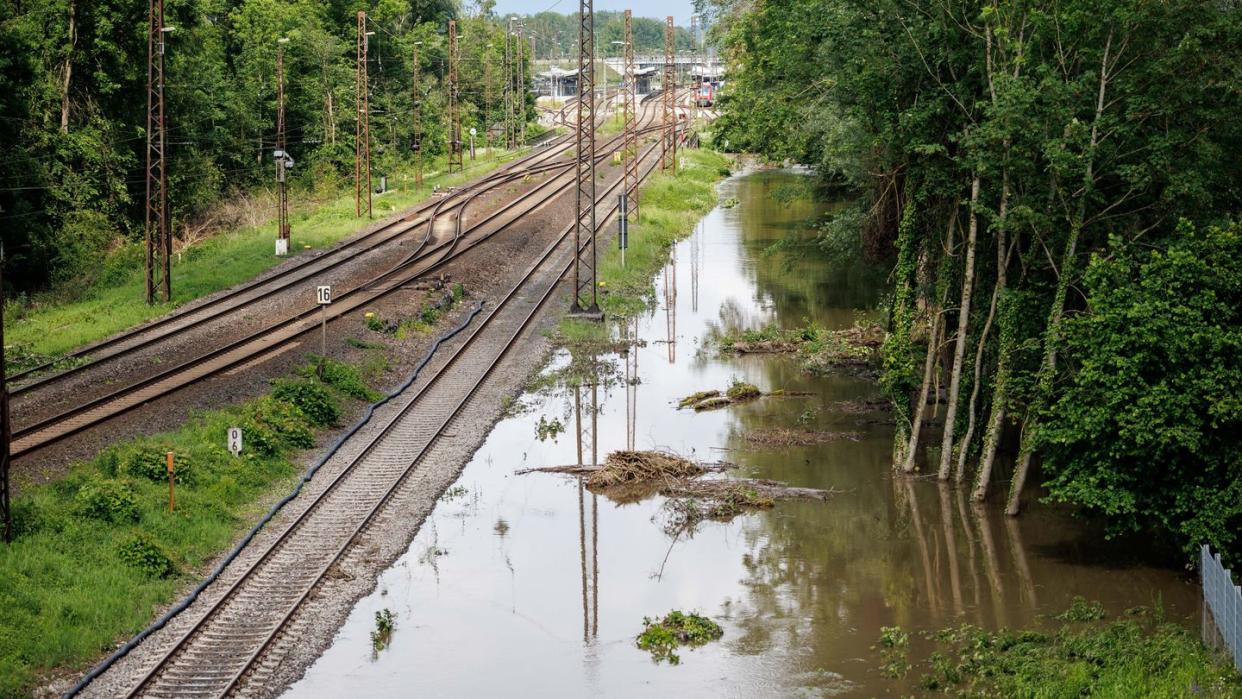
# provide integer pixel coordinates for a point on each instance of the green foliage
(312, 398)
(142, 553)
(381, 636)
(662, 638)
(150, 461)
(1138, 655)
(1145, 433)
(271, 426)
(344, 377)
(107, 500)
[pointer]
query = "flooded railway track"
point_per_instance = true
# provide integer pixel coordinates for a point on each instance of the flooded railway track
(225, 648)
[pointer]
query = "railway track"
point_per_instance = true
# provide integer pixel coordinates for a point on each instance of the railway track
(223, 649)
(428, 257)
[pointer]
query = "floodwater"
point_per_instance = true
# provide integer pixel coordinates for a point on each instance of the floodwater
(529, 585)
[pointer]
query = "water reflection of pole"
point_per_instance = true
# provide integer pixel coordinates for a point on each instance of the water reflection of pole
(631, 385)
(670, 305)
(950, 540)
(694, 268)
(590, 582)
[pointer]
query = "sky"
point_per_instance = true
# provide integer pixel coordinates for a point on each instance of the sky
(657, 9)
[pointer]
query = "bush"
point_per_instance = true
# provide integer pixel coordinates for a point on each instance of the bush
(150, 461)
(343, 377)
(107, 500)
(314, 400)
(140, 552)
(273, 425)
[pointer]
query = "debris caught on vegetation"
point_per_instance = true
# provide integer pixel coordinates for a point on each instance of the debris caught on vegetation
(786, 437)
(662, 638)
(738, 392)
(629, 476)
(856, 347)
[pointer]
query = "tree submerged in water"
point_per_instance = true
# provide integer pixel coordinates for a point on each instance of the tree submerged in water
(662, 638)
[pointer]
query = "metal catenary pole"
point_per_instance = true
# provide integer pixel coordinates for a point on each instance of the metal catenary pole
(418, 119)
(362, 122)
(668, 140)
(158, 230)
(631, 121)
(509, 85)
(695, 83)
(519, 107)
(282, 218)
(454, 133)
(584, 231)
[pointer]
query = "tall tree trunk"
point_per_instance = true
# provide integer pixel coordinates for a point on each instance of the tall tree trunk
(929, 363)
(66, 71)
(1052, 333)
(963, 447)
(963, 323)
(898, 343)
(1000, 385)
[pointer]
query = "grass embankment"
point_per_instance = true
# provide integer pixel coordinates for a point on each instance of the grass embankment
(1137, 655)
(819, 350)
(669, 207)
(50, 325)
(96, 553)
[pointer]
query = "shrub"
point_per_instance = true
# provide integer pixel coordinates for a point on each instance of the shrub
(150, 461)
(107, 500)
(140, 552)
(314, 400)
(343, 377)
(272, 425)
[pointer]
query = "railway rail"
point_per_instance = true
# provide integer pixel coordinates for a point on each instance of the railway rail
(427, 258)
(221, 651)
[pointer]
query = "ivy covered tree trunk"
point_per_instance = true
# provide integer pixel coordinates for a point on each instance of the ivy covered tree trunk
(963, 324)
(897, 378)
(1000, 384)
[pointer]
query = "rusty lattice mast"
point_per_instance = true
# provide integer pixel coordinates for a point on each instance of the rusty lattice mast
(509, 86)
(159, 233)
(584, 230)
(362, 122)
(454, 109)
(630, 101)
(668, 139)
(417, 116)
(282, 158)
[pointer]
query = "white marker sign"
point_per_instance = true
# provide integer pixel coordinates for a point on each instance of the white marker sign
(323, 295)
(235, 440)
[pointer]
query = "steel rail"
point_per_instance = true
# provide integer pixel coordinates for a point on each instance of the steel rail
(376, 441)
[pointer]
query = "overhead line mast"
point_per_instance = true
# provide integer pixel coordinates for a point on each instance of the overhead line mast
(283, 161)
(158, 230)
(418, 119)
(362, 122)
(668, 139)
(454, 121)
(630, 102)
(585, 302)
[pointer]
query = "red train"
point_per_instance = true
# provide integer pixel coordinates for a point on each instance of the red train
(705, 94)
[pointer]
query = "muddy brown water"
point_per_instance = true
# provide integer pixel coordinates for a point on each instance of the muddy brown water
(525, 585)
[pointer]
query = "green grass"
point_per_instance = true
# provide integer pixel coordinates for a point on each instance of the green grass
(663, 637)
(97, 553)
(47, 326)
(1136, 655)
(670, 206)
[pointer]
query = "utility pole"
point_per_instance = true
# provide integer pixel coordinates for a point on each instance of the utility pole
(418, 120)
(454, 134)
(631, 120)
(6, 429)
(487, 98)
(519, 111)
(283, 161)
(668, 139)
(509, 86)
(696, 84)
(159, 232)
(362, 122)
(585, 302)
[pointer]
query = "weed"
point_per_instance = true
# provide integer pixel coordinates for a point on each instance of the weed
(107, 500)
(453, 493)
(549, 429)
(345, 378)
(740, 390)
(311, 397)
(662, 638)
(385, 622)
(141, 552)
(363, 344)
